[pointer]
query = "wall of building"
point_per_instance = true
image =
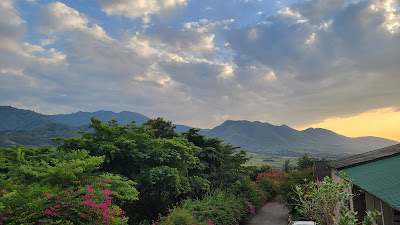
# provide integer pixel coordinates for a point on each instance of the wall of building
(340, 180)
(373, 203)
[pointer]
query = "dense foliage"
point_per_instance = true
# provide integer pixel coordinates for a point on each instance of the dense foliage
(131, 174)
(43, 186)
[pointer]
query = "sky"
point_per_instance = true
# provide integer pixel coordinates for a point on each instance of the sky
(321, 63)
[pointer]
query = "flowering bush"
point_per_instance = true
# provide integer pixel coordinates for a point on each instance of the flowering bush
(93, 205)
(89, 205)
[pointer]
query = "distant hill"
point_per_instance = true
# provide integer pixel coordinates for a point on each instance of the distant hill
(268, 138)
(19, 119)
(40, 136)
(25, 127)
(83, 118)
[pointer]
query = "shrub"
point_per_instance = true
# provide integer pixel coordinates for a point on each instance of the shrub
(246, 189)
(267, 187)
(179, 216)
(286, 190)
(92, 204)
(219, 207)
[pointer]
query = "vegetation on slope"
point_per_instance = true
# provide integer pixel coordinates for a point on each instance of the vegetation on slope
(19, 119)
(120, 172)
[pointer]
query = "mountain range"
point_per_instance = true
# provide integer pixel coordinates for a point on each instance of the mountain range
(283, 140)
(18, 126)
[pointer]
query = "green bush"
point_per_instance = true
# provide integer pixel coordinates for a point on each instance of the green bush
(246, 189)
(179, 216)
(219, 207)
(286, 189)
(267, 186)
(45, 186)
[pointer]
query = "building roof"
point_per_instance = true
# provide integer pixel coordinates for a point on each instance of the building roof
(321, 170)
(365, 157)
(380, 178)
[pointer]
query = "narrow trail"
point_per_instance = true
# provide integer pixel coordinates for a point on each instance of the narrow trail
(273, 213)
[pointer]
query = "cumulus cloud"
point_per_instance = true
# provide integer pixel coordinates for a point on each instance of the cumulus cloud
(339, 67)
(300, 64)
(11, 25)
(141, 8)
(58, 17)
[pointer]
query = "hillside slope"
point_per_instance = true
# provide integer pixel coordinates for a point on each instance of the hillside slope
(83, 118)
(26, 127)
(37, 137)
(19, 119)
(266, 138)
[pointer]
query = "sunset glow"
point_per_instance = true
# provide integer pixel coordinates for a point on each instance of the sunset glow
(384, 122)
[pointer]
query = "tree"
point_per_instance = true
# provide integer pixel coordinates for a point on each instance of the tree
(286, 166)
(220, 163)
(163, 129)
(305, 162)
(163, 166)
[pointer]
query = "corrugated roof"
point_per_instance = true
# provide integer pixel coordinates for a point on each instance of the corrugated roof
(321, 170)
(365, 157)
(380, 178)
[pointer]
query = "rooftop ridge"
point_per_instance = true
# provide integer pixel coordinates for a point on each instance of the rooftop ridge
(365, 157)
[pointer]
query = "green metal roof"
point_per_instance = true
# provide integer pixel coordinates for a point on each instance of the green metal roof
(380, 178)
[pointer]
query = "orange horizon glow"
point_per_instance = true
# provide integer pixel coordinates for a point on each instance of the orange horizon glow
(384, 123)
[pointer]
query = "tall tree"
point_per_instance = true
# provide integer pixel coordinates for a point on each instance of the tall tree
(163, 129)
(287, 167)
(305, 162)
(160, 166)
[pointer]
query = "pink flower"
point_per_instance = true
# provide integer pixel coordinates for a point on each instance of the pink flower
(86, 196)
(121, 211)
(107, 192)
(89, 189)
(106, 216)
(210, 222)
(103, 206)
(47, 212)
(88, 202)
(47, 195)
(58, 206)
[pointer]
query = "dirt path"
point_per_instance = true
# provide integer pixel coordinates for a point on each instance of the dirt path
(273, 213)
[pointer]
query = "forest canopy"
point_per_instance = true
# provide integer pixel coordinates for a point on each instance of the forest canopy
(119, 174)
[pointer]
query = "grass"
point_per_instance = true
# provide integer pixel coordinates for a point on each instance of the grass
(275, 161)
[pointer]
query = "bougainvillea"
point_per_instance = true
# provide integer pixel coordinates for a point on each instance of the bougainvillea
(276, 176)
(89, 205)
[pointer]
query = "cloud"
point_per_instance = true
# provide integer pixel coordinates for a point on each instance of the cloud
(11, 25)
(141, 8)
(300, 64)
(346, 65)
(57, 17)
